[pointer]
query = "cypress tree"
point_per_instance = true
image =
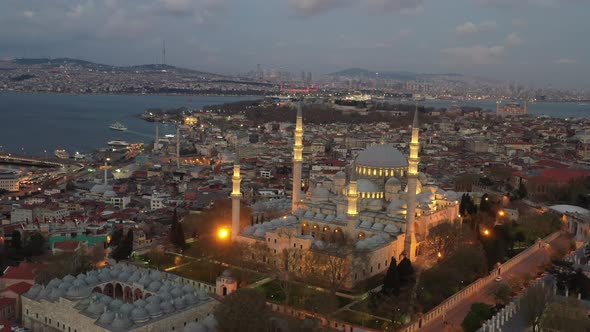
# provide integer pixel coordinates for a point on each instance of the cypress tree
(391, 282)
(405, 271)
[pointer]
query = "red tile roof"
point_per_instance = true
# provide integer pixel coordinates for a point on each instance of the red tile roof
(66, 245)
(19, 288)
(25, 271)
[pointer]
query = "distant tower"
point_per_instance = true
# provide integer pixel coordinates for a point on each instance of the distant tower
(259, 74)
(156, 142)
(236, 197)
(498, 106)
(163, 52)
(297, 159)
(177, 146)
(410, 241)
(352, 197)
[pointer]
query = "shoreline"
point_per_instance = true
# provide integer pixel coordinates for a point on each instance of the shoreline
(266, 95)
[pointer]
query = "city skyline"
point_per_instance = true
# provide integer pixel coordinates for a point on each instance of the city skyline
(506, 40)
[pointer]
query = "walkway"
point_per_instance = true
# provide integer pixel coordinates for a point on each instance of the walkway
(456, 315)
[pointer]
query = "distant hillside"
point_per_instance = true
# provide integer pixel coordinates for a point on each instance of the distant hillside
(391, 75)
(98, 66)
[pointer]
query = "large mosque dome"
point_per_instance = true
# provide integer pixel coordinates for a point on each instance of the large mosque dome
(381, 156)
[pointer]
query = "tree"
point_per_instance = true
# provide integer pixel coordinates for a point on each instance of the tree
(521, 192)
(479, 313)
(391, 283)
(444, 238)
(16, 241)
(533, 303)
(501, 294)
(568, 315)
(116, 237)
(125, 247)
(243, 310)
(36, 245)
(405, 271)
(485, 205)
(176, 235)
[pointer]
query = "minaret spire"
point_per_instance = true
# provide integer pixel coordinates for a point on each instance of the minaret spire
(236, 197)
(297, 158)
(352, 197)
(410, 241)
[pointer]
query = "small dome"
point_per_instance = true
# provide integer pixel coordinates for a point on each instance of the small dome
(393, 181)
(375, 205)
(177, 292)
(80, 283)
(106, 318)
(390, 229)
(95, 309)
(154, 310)
(124, 276)
(227, 273)
(44, 293)
(78, 292)
(69, 278)
(140, 315)
(145, 280)
(92, 280)
(55, 282)
(140, 303)
(105, 299)
(154, 286)
(156, 275)
(189, 289)
(82, 305)
(381, 156)
(126, 309)
(56, 293)
(167, 307)
(116, 304)
(377, 226)
(121, 324)
(210, 322)
(104, 276)
(34, 291)
(165, 296)
(65, 285)
(179, 303)
(154, 299)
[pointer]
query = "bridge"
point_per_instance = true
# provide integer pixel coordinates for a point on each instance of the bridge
(23, 160)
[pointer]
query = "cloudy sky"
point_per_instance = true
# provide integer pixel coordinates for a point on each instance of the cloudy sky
(539, 42)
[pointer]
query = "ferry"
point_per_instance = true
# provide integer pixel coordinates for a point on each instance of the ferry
(118, 143)
(62, 154)
(118, 126)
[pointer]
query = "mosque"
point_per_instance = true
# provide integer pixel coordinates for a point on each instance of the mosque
(382, 208)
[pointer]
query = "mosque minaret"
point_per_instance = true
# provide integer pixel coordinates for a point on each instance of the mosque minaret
(410, 241)
(297, 159)
(236, 197)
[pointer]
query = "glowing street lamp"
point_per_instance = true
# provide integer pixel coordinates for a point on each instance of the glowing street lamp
(223, 233)
(501, 213)
(439, 255)
(486, 232)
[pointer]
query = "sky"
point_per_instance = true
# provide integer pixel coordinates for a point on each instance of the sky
(539, 43)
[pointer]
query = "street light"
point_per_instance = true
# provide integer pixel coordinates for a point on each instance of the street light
(501, 213)
(486, 232)
(223, 233)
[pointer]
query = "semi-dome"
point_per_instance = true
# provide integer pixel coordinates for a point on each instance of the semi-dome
(381, 156)
(55, 282)
(366, 186)
(69, 278)
(319, 192)
(167, 307)
(179, 303)
(56, 293)
(95, 309)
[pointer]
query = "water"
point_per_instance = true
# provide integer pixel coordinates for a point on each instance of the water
(35, 123)
(556, 110)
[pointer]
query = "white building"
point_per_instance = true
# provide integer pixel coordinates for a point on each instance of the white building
(9, 181)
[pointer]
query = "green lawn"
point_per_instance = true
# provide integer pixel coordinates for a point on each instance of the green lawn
(206, 271)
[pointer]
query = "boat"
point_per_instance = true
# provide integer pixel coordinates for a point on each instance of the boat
(118, 143)
(62, 154)
(118, 126)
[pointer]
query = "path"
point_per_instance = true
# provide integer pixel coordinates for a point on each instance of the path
(455, 316)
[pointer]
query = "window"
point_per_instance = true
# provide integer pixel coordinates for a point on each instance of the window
(379, 266)
(275, 240)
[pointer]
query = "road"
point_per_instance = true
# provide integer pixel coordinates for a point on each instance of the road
(455, 316)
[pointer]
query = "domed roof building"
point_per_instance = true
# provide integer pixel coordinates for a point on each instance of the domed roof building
(381, 200)
(110, 302)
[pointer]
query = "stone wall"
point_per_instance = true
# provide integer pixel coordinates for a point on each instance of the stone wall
(474, 287)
